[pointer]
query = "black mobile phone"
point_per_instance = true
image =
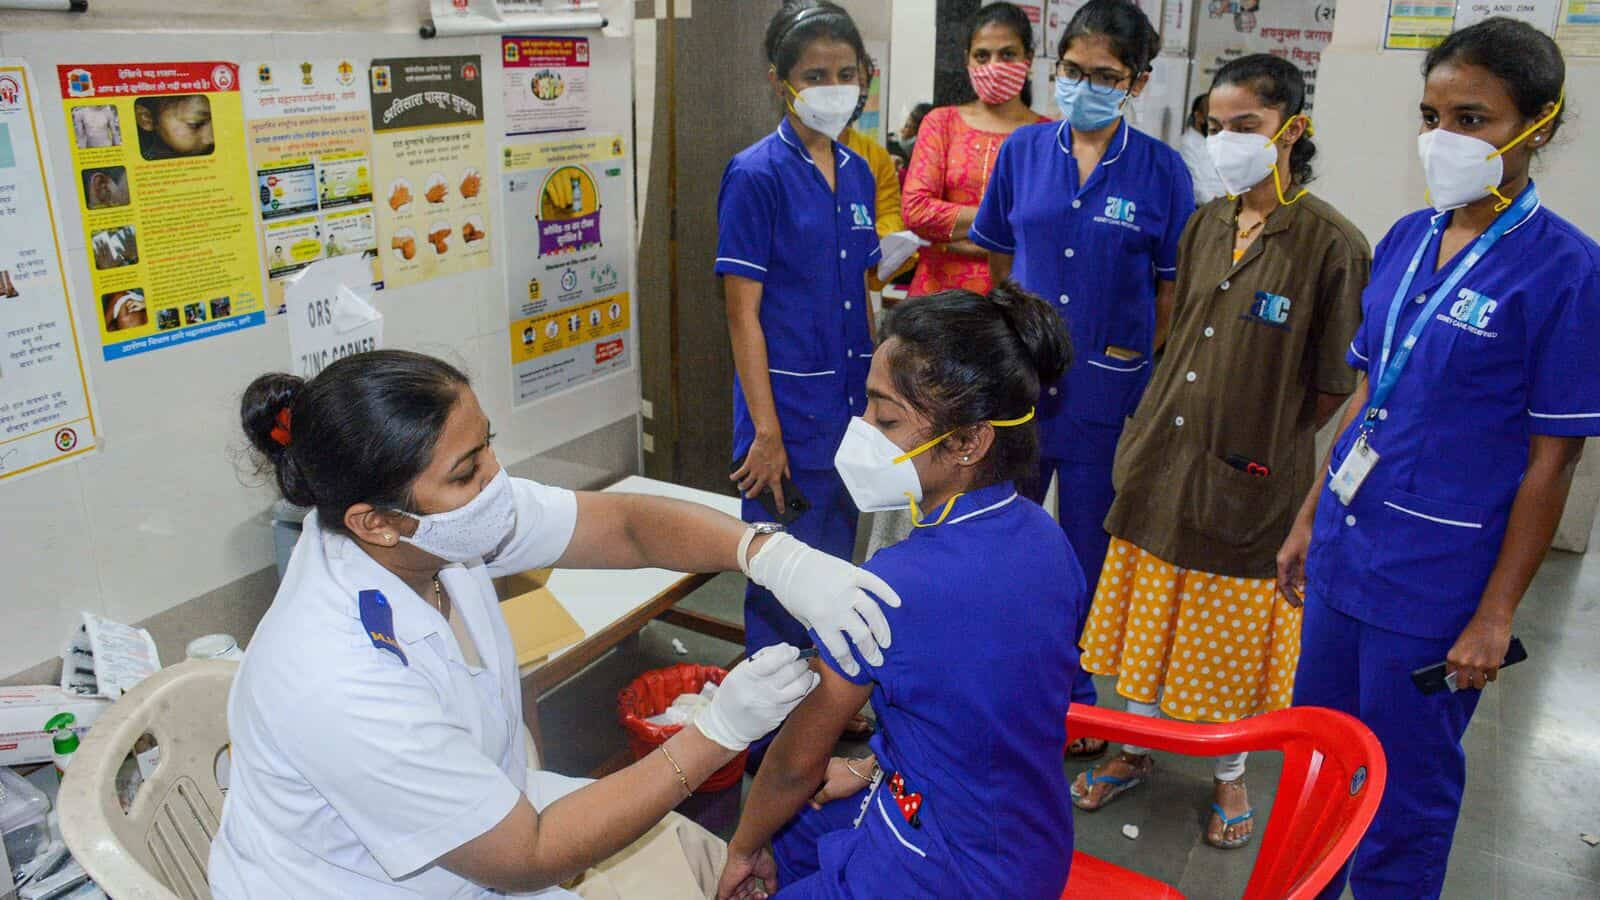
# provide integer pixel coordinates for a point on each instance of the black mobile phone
(1431, 680)
(796, 503)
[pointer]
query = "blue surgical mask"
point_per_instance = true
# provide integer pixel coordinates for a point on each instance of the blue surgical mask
(1088, 110)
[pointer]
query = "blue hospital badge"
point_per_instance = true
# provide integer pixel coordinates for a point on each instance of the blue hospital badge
(377, 619)
(1269, 309)
(1473, 308)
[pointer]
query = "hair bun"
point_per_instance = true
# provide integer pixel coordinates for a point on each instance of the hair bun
(1038, 328)
(263, 402)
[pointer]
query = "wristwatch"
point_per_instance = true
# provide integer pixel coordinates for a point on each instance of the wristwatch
(756, 529)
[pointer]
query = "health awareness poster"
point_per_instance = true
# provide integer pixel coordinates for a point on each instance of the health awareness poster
(566, 203)
(45, 413)
(164, 187)
(545, 84)
(429, 157)
(310, 136)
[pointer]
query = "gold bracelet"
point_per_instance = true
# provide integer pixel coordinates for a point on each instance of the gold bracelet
(858, 774)
(687, 792)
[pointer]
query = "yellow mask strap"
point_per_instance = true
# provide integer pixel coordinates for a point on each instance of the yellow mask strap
(916, 514)
(1277, 184)
(1543, 121)
(997, 423)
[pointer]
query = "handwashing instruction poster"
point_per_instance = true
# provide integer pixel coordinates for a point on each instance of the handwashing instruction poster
(546, 84)
(566, 205)
(160, 175)
(45, 416)
(310, 137)
(429, 157)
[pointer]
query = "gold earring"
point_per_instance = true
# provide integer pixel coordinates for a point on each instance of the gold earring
(966, 459)
(389, 538)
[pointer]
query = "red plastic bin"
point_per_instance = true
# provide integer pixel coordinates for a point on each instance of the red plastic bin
(650, 694)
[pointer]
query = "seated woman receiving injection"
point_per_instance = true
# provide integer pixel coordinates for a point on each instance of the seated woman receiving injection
(964, 792)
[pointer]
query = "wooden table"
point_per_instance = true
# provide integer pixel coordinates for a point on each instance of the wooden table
(611, 605)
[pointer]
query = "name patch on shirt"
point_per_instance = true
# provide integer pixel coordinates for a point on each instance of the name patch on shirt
(1472, 312)
(1269, 309)
(377, 618)
(1120, 212)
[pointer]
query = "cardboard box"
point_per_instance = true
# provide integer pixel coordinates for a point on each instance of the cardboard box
(539, 624)
(25, 709)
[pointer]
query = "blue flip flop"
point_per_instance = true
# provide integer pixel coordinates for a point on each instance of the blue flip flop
(1223, 843)
(1118, 785)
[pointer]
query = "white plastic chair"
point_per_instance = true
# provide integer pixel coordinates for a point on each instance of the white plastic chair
(157, 850)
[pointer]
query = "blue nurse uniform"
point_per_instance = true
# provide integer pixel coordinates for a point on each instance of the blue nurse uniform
(1394, 577)
(971, 701)
(1096, 253)
(810, 247)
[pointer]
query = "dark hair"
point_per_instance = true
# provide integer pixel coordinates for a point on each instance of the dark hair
(964, 358)
(918, 113)
(1279, 84)
(360, 431)
(1200, 99)
(1524, 58)
(1133, 39)
(1007, 15)
(801, 22)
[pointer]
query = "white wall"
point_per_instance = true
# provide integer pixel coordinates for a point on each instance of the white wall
(157, 515)
(911, 51)
(1367, 162)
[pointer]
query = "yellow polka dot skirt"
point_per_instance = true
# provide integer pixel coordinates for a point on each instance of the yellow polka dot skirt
(1212, 648)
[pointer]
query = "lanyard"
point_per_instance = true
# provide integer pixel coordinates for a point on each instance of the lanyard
(1389, 369)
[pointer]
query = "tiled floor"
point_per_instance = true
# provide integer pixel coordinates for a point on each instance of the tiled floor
(1533, 758)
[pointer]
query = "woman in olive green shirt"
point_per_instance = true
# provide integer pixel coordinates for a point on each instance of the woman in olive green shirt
(1212, 464)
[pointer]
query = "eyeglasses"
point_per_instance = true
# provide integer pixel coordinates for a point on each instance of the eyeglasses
(1101, 81)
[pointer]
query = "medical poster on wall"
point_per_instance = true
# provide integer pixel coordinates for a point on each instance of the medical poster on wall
(1296, 31)
(546, 84)
(429, 160)
(310, 139)
(566, 203)
(1418, 24)
(161, 179)
(1578, 28)
(462, 17)
(1541, 14)
(45, 413)
(871, 121)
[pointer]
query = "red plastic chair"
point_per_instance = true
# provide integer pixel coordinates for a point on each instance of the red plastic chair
(1333, 777)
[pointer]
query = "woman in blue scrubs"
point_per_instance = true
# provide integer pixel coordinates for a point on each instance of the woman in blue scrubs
(964, 792)
(1448, 481)
(796, 240)
(1087, 213)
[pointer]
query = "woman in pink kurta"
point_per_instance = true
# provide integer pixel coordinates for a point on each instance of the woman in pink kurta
(956, 148)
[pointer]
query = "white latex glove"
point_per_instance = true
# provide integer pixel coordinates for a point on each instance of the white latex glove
(828, 596)
(757, 696)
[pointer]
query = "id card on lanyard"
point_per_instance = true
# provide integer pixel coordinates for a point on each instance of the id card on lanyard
(1363, 458)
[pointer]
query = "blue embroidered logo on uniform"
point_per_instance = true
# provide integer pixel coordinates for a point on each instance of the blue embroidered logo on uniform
(377, 619)
(860, 216)
(1120, 210)
(1473, 309)
(1270, 309)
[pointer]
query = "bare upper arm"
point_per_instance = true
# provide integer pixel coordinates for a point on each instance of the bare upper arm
(742, 295)
(809, 734)
(499, 858)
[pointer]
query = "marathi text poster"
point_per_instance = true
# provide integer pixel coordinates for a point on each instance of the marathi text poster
(1298, 33)
(1578, 28)
(546, 84)
(566, 202)
(164, 188)
(1418, 24)
(310, 136)
(428, 152)
(45, 414)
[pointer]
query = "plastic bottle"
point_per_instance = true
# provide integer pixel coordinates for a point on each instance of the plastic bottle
(63, 740)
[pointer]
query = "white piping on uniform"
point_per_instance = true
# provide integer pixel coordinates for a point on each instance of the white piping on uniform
(1166, 268)
(1357, 352)
(1102, 365)
(1411, 512)
(802, 374)
(1536, 208)
(990, 508)
(742, 262)
(974, 230)
(1120, 150)
(1540, 415)
(896, 832)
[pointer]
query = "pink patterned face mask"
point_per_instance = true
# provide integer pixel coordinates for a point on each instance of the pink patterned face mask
(997, 83)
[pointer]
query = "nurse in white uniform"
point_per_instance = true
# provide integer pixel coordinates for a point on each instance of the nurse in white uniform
(377, 723)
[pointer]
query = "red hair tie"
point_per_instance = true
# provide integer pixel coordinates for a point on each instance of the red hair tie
(280, 431)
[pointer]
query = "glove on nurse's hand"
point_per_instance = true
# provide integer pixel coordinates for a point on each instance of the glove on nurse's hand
(757, 696)
(828, 596)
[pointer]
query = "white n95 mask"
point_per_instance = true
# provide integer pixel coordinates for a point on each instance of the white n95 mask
(878, 474)
(826, 108)
(1242, 160)
(1460, 169)
(469, 533)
